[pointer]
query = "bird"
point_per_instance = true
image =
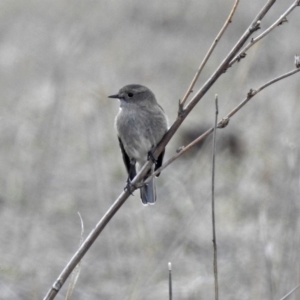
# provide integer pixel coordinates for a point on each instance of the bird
(140, 124)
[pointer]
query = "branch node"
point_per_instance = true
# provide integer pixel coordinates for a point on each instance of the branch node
(179, 149)
(223, 123)
(57, 284)
(180, 109)
(251, 93)
(297, 59)
(241, 56)
(255, 27)
(226, 68)
(284, 20)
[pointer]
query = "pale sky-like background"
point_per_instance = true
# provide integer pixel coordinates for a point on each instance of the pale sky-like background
(59, 60)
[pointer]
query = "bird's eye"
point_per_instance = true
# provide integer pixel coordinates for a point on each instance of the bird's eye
(130, 95)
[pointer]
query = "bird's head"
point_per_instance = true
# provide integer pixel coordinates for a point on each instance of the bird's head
(135, 94)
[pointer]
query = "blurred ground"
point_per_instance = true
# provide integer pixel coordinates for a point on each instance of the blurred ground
(59, 153)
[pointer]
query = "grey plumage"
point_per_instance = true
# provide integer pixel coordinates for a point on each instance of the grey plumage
(141, 123)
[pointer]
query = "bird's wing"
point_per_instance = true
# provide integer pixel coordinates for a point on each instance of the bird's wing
(159, 161)
(129, 166)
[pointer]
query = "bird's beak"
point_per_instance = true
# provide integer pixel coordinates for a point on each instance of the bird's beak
(114, 96)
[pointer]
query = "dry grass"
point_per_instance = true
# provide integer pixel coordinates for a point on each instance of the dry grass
(58, 62)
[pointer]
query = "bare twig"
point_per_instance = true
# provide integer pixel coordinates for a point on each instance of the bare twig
(213, 205)
(252, 93)
(208, 54)
(279, 21)
(170, 281)
(180, 152)
(290, 292)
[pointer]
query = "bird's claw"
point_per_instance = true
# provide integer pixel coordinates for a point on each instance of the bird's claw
(152, 158)
(129, 186)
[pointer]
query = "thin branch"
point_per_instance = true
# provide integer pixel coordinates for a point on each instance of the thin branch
(208, 54)
(170, 281)
(213, 205)
(180, 152)
(85, 246)
(278, 22)
(291, 292)
(252, 93)
(221, 124)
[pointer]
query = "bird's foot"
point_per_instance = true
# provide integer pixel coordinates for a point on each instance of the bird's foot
(151, 157)
(129, 187)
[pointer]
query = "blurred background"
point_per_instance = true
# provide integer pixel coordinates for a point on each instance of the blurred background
(59, 60)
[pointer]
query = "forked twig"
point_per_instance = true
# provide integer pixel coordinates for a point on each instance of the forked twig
(253, 41)
(222, 123)
(252, 93)
(254, 26)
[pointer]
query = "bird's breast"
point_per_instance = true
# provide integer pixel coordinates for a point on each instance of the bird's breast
(139, 130)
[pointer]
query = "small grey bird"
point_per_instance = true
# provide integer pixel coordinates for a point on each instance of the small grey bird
(141, 123)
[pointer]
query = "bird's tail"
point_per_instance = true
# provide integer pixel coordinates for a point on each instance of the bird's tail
(148, 193)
